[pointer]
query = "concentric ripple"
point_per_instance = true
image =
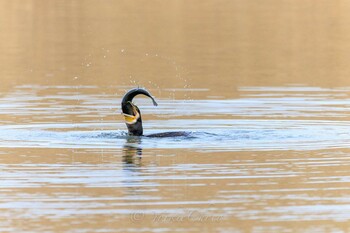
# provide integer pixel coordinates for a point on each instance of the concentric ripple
(264, 118)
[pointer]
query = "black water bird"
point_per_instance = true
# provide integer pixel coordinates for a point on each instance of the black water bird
(132, 115)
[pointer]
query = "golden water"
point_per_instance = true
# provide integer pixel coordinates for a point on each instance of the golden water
(263, 87)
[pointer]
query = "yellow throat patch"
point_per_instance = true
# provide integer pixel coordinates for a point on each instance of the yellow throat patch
(131, 119)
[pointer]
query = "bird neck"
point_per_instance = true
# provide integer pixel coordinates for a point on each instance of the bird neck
(135, 129)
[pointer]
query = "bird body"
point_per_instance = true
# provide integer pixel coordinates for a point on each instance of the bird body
(132, 115)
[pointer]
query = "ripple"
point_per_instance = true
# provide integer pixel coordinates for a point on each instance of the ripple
(270, 156)
(284, 118)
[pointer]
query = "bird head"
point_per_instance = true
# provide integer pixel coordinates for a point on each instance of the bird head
(131, 112)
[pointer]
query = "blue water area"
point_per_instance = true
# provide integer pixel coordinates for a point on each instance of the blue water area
(221, 135)
(262, 118)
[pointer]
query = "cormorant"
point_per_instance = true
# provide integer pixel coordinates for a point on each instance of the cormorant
(133, 118)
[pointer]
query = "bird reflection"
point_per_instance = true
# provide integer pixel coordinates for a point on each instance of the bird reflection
(132, 167)
(132, 151)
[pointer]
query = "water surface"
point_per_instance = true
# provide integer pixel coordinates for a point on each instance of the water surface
(273, 155)
(262, 88)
